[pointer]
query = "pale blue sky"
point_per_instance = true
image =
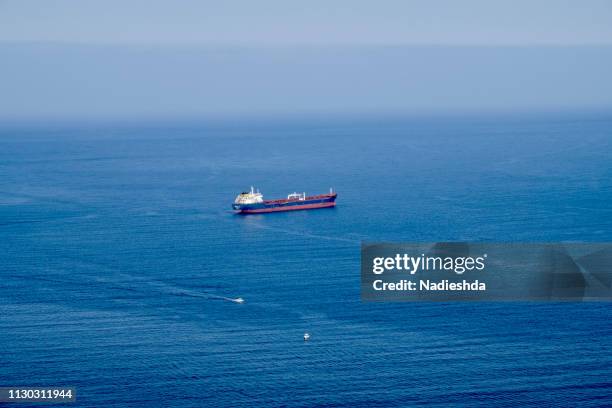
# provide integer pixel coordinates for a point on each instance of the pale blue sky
(249, 22)
(99, 59)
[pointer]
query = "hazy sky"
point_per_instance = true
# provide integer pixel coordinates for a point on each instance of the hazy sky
(309, 22)
(82, 59)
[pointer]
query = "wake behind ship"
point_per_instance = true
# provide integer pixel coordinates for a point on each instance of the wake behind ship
(253, 203)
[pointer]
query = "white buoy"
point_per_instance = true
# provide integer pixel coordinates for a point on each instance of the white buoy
(306, 336)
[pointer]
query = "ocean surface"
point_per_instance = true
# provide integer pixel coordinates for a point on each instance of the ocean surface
(120, 256)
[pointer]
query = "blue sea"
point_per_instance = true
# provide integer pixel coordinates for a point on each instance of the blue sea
(120, 257)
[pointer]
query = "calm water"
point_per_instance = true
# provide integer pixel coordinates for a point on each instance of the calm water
(119, 254)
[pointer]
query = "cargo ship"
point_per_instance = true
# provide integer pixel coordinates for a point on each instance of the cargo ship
(253, 203)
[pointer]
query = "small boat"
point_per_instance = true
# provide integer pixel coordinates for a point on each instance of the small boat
(239, 300)
(253, 203)
(306, 336)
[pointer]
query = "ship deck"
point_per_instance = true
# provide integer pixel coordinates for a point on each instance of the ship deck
(286, 200)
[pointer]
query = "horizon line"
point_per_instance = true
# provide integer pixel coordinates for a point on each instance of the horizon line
(355, 116)
(240, 45)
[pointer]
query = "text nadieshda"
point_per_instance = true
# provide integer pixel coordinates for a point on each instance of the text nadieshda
(413, 264)
(485, 271)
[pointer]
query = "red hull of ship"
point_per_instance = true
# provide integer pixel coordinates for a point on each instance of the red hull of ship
(292, 208)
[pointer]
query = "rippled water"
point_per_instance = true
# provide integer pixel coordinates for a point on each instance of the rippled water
(120, 257)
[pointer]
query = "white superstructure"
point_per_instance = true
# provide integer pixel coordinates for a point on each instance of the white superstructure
(252, 197)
